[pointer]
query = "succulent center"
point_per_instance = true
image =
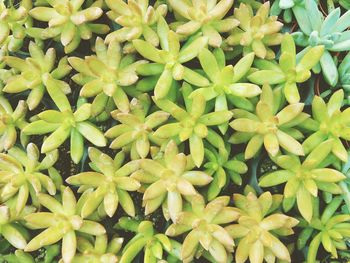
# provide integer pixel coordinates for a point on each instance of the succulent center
(6, 119)
(269, 126)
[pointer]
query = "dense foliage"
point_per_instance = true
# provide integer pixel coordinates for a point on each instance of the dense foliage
(174, 131)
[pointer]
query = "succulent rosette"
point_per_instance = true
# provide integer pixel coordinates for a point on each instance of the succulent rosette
(203, 222)
(99, 250)
(126, 126)
(22, 175)
(108, 185)
(65, 123)
(137, 19)
(258, 228)
(327, 229)
(328, 122)
(225, 82)
(63, 221)
(68, 22)
(289, 72)
(33, 71)
(269, 126)
(13, 24)
(104, 74)
(203, 16)
(168, 61)
(136, 127)
(304, 180)
(223, 169)
(146, 238)
(169, 178)
(192, 123)
(256, 31)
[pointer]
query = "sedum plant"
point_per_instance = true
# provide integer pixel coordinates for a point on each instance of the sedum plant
(222, 168)
(13, 24)
(22, 175)
(204, 223)
(103, 75)
(269, 126)
(225, 81)
(304, 180)
(285, 6)
(191, 123)
(328, 230)
(146, 238)
(68, 21)
(98, 249)
(136, 128)
(33, 71)
(258, 228)
(169, 178)
(332, 123)
(137, 19)
(62, 222)
(10, 121)
(331, 32)
(168, 61)
(65, 123)
(160, 82)
(110, 182)
(289, 72)
(257, 31)
(203, 16)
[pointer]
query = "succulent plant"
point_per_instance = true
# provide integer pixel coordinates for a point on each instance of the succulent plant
(256, 32)
(10, 120)
(169, 177)
(110, 181)
(330, 229)
(267, 127)
(206, 233)
(191, 124)
(65, 123)
(68, 21)
(221, 166)
(103, 75)
(137, 19)
(22, 175)
(303, 180)
(329, 123)
(62, 222)
(289, 72)
(10, 228)
(32, 72)
(154, 244)
(206, 17)
(258, 228)
(331, 32)
(14, 20)
(136, 128)
(162, 89)
(285, 6)
(225, 81)
(98, 250)
(344, 77)
(169, 60)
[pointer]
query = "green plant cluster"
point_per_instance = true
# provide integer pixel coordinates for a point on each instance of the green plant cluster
(174, 131)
